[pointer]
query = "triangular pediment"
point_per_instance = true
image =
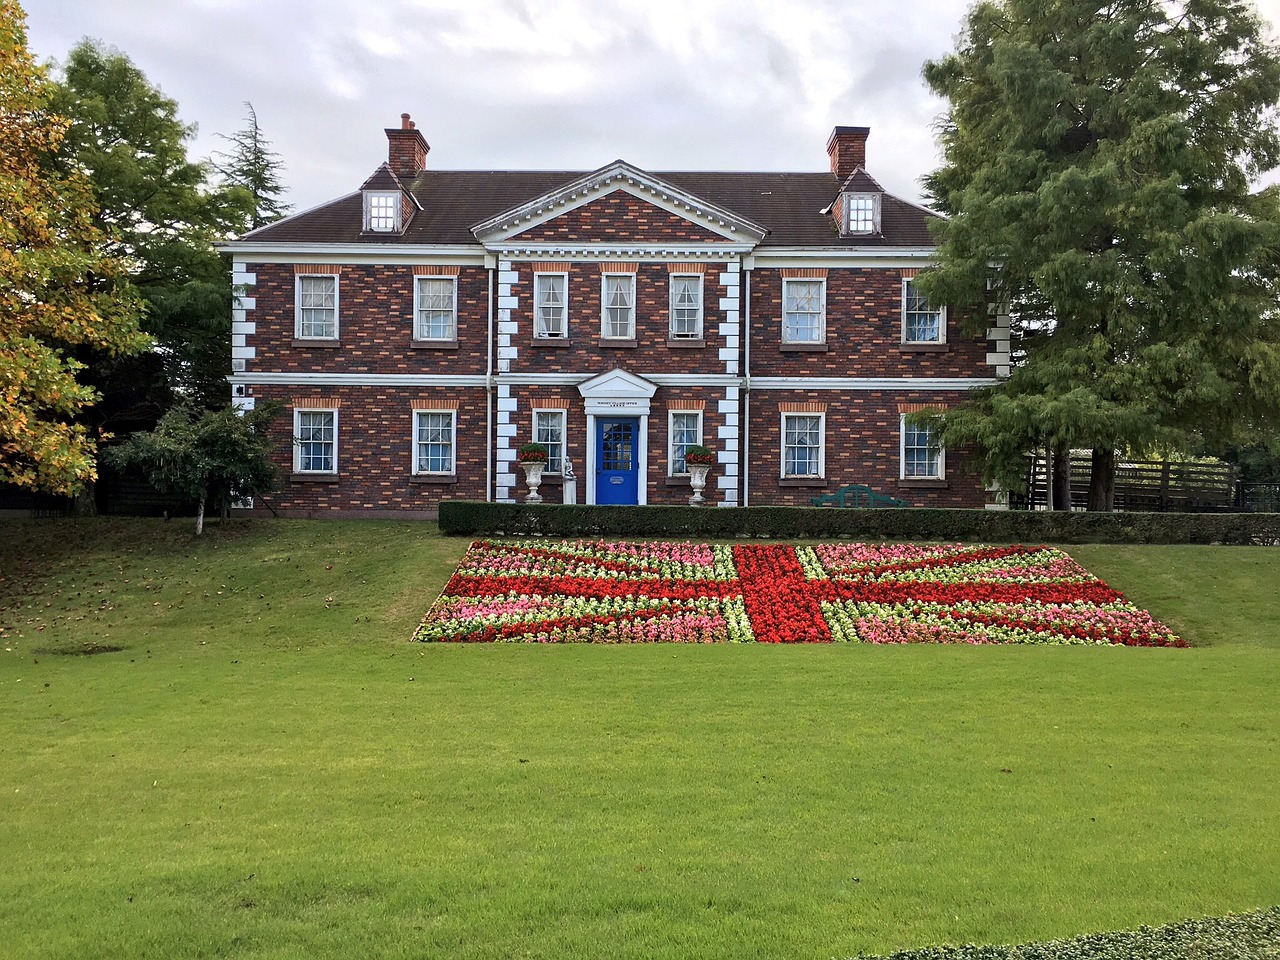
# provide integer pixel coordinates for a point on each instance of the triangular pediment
(617, 384)
(619, 202)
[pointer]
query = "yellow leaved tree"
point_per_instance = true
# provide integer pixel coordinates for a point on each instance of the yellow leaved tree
(59, 292)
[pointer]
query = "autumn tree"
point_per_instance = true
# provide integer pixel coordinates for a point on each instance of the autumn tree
(1097, 166)
(59, 289)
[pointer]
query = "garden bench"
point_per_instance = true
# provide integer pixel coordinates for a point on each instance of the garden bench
(858, 497)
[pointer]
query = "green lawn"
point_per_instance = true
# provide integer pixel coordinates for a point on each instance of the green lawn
(269, 769)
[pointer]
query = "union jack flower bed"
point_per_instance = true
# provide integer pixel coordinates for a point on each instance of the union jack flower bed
(619, 592)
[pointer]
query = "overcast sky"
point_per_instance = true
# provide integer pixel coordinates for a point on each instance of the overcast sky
(538, 84)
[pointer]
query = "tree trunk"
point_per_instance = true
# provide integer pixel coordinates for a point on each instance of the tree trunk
(86, 502)
(200, 518)
(1102, 481)
(1061, 478)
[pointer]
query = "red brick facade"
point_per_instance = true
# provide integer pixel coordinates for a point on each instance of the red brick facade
(393, 424)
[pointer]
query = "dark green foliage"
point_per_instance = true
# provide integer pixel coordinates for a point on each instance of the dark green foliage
(207, 456)
(1247, 936)
(253, 168)
(1097, 168)
(162, 214)
(468, 518)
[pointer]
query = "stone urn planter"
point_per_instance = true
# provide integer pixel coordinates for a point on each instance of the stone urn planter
(532, 458)
(699, 461)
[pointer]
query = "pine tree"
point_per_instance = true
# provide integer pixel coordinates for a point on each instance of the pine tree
(253, 167)
(1097, 167)
(59, 290)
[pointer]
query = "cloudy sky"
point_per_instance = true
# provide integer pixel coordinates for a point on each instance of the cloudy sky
(538, 84)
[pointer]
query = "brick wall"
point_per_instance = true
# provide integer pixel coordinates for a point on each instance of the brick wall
(375, 449)
(863, 445)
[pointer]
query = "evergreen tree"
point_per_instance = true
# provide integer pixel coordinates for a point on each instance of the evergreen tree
(59, 290)
(1097, 167)
(253, 167)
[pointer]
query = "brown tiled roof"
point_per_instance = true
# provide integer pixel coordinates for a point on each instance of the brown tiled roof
(790, 205)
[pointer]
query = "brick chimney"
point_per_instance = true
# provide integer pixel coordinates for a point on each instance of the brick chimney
(406, 148)
(847, 149)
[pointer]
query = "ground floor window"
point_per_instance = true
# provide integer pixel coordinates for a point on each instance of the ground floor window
(434, 433)
(686, 432)
(315, 448)
(802, 453)
(922, 456)
(548, 430)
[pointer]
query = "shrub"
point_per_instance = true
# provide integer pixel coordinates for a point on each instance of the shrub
(469, 518)
(1248, 936)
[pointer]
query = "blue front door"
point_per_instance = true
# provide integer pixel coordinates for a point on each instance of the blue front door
(617, 460)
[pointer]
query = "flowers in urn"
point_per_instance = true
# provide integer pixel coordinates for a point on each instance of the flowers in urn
(699, 461)
(532, 458)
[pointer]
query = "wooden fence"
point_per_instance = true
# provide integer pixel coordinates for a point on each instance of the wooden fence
(1157, 486)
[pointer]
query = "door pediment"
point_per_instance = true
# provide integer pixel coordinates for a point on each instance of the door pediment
(617, 392)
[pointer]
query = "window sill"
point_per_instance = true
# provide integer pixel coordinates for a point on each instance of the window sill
(678, 481)
(433, 345)
(560, 342)
(804, 348)
(325, 344)
(432, 479)
(802, 482)
(923, 483)
(688, 343)
(924, 348)
(296, 477)
(617, 344)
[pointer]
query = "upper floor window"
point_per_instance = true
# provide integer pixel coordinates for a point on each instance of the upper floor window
(804, 311)
(619, 306)
(921, 323)
(382, 211)
(548, 430)
(316, 306)
(551, 305)
(922, 455)
(686, 432)
(435, 309)
(802, 449)
(862, 213)
(433, 442)
(686, 307)
(315, 445)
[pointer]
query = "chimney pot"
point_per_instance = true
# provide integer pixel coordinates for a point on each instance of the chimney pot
(406, 148)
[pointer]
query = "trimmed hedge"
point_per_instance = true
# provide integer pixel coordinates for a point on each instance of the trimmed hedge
(1248, 936)
(470, 518)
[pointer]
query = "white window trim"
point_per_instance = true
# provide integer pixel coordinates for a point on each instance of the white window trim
(604, 306)
(297, 441)
(297, 307)
(822, 282)
(396, 205)
(537, 308)
(453, 444)
(875, 214)
(822, 447)
(417, 300)
(942, 318)
(564, 430)
(902, 456)
(671, 438)
(671, 307)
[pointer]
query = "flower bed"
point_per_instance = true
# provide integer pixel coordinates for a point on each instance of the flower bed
(619, 592)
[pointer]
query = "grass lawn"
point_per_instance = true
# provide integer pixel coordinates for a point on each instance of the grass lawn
(267, 768)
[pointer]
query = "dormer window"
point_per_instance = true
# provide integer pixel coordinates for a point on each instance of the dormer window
(381, 211)
(862, 213)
